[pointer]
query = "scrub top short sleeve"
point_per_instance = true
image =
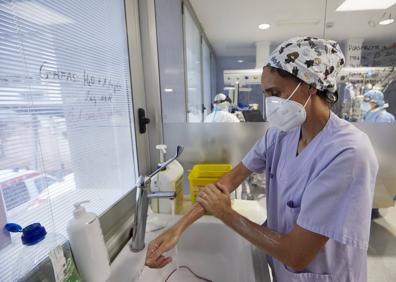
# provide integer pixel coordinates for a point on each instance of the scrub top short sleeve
(337, 203)
(255, 159)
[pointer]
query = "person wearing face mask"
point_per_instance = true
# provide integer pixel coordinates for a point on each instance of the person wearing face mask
(374, 108)
(374, 111)
(320, 174)
(220, 113)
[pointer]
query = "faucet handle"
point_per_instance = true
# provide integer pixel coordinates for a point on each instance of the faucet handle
(179, 151)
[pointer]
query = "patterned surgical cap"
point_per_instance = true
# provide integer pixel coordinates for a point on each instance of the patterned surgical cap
(314, 61)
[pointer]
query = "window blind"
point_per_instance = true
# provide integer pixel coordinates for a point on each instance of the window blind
(66, 123)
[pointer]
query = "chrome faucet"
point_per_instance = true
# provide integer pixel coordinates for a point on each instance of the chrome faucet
(143, 195)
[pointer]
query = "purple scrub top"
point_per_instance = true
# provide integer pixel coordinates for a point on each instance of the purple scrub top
(327, 189)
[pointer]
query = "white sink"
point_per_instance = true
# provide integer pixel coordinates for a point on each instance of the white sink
(208, 247)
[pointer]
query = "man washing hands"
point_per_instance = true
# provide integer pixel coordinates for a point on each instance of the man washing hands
(295, 249)
(214, 198)
(320, 175)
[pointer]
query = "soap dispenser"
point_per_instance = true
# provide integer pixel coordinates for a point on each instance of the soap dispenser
(88, 245)
(169, 179)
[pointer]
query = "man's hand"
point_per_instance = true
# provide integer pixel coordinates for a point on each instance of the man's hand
(163, 243)
(215, 199)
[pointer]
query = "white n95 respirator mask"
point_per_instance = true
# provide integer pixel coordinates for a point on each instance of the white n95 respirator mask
(365, 107)
(285, 114)
(223, 106)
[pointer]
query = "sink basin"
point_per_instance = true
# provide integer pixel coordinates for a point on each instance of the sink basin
(208, 247)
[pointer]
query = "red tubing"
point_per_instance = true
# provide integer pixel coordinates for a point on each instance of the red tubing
(189, 269)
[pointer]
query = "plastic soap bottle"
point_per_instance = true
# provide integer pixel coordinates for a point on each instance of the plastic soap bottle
(43, 256)
(88, 245)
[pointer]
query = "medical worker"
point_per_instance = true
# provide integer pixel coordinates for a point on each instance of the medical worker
(374, 108)
(320, 173)
(220, 113)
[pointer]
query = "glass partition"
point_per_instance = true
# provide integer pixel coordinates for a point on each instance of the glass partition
(242, 35)
(366, 86)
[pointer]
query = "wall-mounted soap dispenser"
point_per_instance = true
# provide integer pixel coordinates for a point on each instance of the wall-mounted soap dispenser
(169, 179)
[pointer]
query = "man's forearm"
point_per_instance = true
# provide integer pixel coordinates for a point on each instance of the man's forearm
(235, 177)
(197, 211)
(190, 217)
(273, 243)
(230, 180)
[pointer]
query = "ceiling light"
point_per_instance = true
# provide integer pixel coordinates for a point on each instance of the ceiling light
(361, 5)
(240, 61)
(168, 90)
(386, 22)
(264, 26)
(385, 19)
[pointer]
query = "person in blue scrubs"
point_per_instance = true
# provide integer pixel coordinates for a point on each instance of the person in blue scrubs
(374, 111)
(374, 108)
(320, 175)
